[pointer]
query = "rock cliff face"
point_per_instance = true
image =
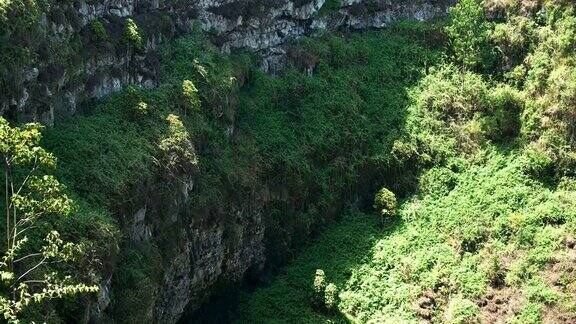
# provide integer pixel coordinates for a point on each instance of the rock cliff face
(216, 246)
(83, 49)
(91, 48)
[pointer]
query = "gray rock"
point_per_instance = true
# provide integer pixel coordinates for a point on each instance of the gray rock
(235, 26)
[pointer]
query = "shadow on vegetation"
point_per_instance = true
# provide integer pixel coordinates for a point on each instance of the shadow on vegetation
(319, 143)
(332, 132)
(287, 297)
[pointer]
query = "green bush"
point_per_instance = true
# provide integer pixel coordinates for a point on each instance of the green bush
(531, 313)
(385, 203)
(331, 297)
(178, 152)
(460, 310)
(132, 34)
(324, 296)
(99, 32)
(502, 120)
(190, 97)
(513, 40)
(469, 34)
(437, 181)
(141, 109)
(448, 111)
(318, 288)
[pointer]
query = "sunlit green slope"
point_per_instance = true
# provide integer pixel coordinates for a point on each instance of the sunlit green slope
(476, 233)
(487, 234)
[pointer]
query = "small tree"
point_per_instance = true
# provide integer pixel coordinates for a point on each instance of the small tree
(331, 297)
(99, 32)
(190, 97)
(132, 34)
(141, 109)
(469, 33)
(318, 288)
(325, 296)
(178, 153)
(30, 197)
(385, 203)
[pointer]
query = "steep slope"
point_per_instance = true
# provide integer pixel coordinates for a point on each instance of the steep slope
(269, 160)
(481, 242)
(488, 234)
(165, 225)
(221, 174)
(55, 55)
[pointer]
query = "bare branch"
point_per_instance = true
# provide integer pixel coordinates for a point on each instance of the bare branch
(32, 171)
(23, 230)
(31, 269)
(34, 281)
(26, 257)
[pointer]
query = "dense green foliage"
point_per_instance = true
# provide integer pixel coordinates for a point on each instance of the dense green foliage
(309, 137)
(493, 229)
(385, 202)
(469, 127)
(35, 257)
(492, 219)
(468, 33)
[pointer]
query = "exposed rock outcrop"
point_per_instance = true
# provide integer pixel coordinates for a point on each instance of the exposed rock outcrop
(83, 52)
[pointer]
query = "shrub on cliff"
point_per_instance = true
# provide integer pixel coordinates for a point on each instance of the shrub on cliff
(385, 203)
(99, 32)
(141, 109)
(132, 34)
(190, 97)
(178, 153)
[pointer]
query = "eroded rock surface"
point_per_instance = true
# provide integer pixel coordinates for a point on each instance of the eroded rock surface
(82, 51)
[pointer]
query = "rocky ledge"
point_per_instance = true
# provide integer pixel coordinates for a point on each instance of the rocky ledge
(84, 48)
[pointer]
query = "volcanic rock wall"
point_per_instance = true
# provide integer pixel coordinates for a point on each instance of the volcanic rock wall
(83, 49)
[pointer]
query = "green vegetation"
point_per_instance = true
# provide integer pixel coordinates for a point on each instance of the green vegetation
(143, 141)
(190, 97)
(495, 230)
(31, 267)
(17, 22)
(178, 154)
(132, 33)
(330, 6)
(309, 137)
(385, 202)
(292, 296)
(99, 31)
(469, 32)
(437, 161)
(492, 217)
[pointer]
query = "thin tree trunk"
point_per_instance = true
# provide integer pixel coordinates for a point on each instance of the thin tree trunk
(14, 220)
(7, 201)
